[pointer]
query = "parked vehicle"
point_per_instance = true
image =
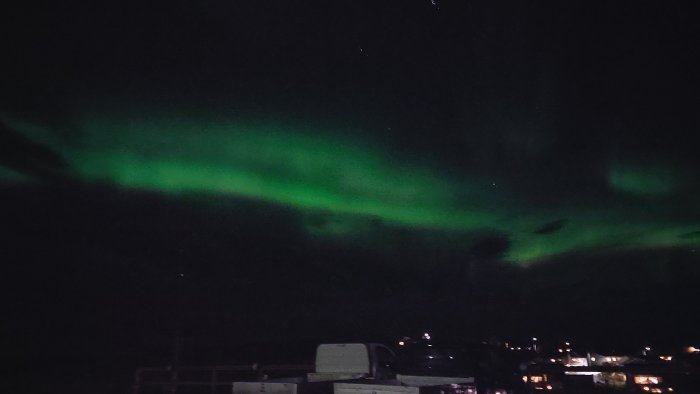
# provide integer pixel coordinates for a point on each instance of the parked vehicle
(359, 368)
(333, 362)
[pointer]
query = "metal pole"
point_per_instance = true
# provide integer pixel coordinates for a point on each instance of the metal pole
(137, 381)
(177, 340)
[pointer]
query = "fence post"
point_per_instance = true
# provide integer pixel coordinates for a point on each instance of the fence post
(173, 381)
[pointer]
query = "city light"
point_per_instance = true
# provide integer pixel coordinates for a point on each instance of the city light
(647, 379)
(537, 378)
(577, 362)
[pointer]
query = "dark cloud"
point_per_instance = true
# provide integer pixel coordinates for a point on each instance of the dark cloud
(692, 234)
(27, 156)
(551, 227)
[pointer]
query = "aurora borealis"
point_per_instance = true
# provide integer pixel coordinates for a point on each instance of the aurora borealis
(497, 142)
(314, 170)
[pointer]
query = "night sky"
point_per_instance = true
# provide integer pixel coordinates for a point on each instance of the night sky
(305, 171)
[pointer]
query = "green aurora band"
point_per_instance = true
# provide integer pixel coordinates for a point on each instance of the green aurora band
(648, 179)
(314, 171)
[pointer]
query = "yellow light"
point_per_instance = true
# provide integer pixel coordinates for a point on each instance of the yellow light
(646, 388)
(647, 379)
(549, 387)
(656, 390)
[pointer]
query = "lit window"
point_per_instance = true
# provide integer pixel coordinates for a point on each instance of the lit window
(647, 379)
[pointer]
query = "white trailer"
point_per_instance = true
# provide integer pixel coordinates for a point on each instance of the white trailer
(283, 386)
(334, 362)
(409, 384)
